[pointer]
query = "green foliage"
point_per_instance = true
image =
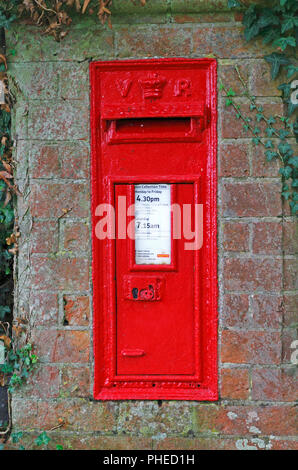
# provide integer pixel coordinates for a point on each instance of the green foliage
(276, 24)
(6, 16)
(42, 441)
(278, 129)
(19, 364)
(6, 215)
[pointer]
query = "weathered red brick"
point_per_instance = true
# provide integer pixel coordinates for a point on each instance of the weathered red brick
(267, 237)
(75, 382)
(44, 307)
(234, 159)
(76, 236)
(63, 160)
(235, 384)
(274, 384)
(24, 412)
(284, 444)
(236, 311)
(229, 77)
(290, 302)
(289, 344)
(290, 274)
(251, 347)
(73, 83)
(164, 41)
(232, 127)
(44, 236)
(267, 311)
(147, 418)
(195, 443)
(235, 236)
(60, 273)
(72, 196)
(43, 383)
(290, 237)
(261, 167)
(61, 346)
(39, 80)
(76, 310)
(224, 42)
(31, 46)
(247, 420)
(201, 17)
(77, 414)
(251, 199)
(87, 441)
(261, 83)
(253, 274)
(60, 120)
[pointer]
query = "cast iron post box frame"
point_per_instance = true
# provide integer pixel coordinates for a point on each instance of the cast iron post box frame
(154, 121)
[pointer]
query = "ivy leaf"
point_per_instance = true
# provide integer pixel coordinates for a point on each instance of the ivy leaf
(270, 155)
(276, 61)
(269, 131)
(16, 436)
(284, 42)
(269, 36)
(256, 140)
(294, 161)
(267, 18)
(271, 120)
(283, 133)
(294, 207)
(286, 172)
(259, 117)
(234, 4)
(291, 107)
(288, 23)
(268, 144)
(228, 102)
(285, 88)
(43, 438)
(251, 32)
(250, 16)
(231, 92)
(284, 148)
(292, 69)
(286, 195)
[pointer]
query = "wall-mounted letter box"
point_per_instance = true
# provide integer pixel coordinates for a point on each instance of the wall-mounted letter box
(153, 126)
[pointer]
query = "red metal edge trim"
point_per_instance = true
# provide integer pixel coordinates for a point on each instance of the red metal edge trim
(209, 389)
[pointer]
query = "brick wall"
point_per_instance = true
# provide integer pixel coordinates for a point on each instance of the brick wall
(255, 241)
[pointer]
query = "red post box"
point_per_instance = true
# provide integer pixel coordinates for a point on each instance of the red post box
(153, 125)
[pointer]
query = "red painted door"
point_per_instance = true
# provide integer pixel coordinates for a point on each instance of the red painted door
(155, 333)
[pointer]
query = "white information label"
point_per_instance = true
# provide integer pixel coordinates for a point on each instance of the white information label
(153, 223)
